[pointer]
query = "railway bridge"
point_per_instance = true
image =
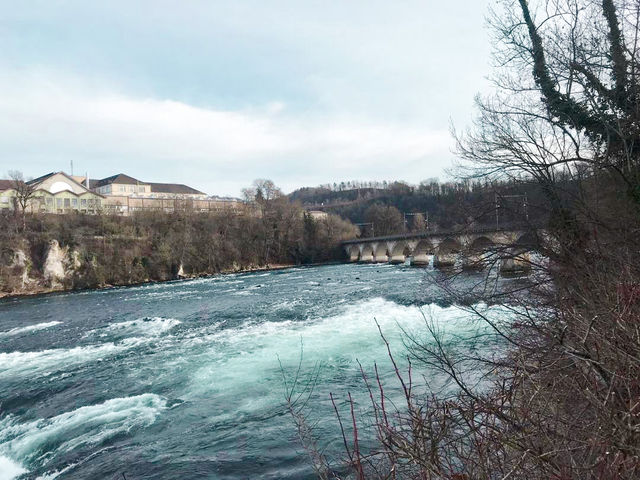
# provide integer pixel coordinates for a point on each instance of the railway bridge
(471, 249)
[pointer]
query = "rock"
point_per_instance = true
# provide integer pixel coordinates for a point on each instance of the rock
(53, 270)
(75, 260)
(22, 263)
(19, 259)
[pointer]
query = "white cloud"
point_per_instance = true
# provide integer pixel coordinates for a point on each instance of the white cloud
(47, 119)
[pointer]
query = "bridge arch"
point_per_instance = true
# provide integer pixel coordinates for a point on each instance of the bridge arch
(447, 252)
(380, 252)
(421, 252)
(424, 246)
(353, 252)
(528, 240)
(481, 244)
(449, 245)
(366, 253)
(517, 257)
(476, 253)
(399, 250)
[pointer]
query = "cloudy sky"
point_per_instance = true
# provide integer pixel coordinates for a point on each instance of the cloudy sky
(216, 93)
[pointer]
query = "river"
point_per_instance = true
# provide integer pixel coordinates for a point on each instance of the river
(183, 379)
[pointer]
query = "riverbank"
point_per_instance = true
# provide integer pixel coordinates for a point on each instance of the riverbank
(61, 288)
(78, 252)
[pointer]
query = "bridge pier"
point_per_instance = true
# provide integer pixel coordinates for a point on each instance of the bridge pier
(379, 252)
(366, 257)
(473, 261)
(366, 253)
(397, 259)
(441, 260)
(354, 254)
(516, 263)
(420, 260)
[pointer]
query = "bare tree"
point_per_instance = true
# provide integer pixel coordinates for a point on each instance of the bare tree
(562, 398)
(262, 190)
(566, 114)
(24, 194)
(387, 219)
(419, 224)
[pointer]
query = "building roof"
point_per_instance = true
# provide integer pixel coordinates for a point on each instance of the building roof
(120, 178)
(44, 177)
(37, 181)
(6, 185)
(176, 188)
(79, 178)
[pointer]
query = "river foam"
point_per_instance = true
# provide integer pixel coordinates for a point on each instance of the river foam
(26, 443)
(29, 328)
(342, 332)
(240, 359)
(10, 469)
(45, 362)
(148, 326)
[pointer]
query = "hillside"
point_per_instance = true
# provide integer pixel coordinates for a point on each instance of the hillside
(445, 205)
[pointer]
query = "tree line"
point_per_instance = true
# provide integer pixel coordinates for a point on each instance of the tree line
(468, 203)
(106, 249)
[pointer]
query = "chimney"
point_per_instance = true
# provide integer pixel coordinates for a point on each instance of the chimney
(86, 179)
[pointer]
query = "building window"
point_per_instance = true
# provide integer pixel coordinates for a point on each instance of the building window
(67, 202)
(122, 188)
(74, 202)
(4, 199)
(50, 202)
(58, 202)
(83, 202)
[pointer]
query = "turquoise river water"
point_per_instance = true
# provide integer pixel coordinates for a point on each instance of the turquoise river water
(183, 379)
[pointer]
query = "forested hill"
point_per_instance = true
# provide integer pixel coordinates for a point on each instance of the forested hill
(444, 205)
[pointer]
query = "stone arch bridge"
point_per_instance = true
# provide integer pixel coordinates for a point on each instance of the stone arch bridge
(447, 248)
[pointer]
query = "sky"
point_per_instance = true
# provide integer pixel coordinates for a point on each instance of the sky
(215, 94)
